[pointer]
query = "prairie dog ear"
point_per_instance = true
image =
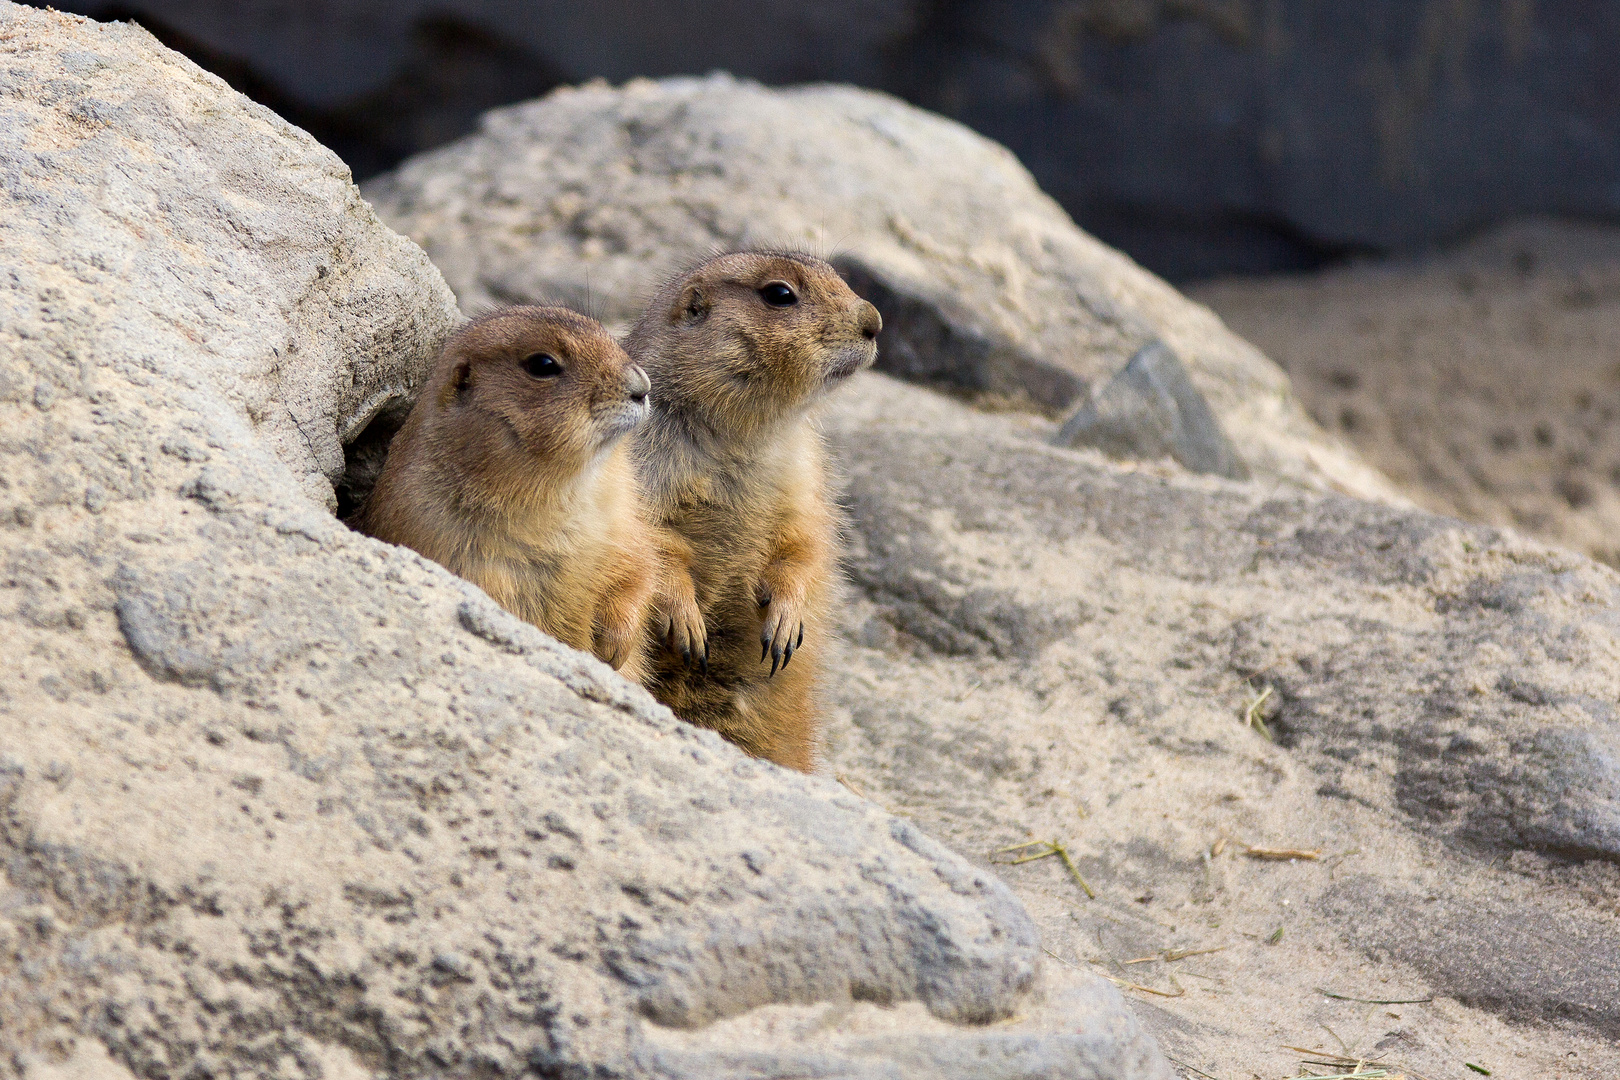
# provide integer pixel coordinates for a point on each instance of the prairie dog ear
(693, 304)
(457, 384)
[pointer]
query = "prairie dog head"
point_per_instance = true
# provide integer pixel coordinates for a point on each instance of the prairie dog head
(747, 338)
(533, 392)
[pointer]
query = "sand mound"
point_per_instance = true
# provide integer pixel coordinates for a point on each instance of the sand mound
(1485, 382)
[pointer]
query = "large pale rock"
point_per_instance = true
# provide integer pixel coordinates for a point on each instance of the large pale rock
(593, 195)
(279, 800)
(1044, 645)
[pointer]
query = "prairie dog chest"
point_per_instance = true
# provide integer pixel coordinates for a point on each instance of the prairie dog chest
(734, 515)
(572, 539)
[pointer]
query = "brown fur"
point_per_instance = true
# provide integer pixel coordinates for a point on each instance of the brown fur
(737, 475)
(524, 485)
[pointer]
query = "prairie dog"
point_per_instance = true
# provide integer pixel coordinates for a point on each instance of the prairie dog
(513, 471)
(740, 349)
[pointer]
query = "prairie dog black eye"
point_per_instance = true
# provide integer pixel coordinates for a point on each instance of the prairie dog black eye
(542, 365)
(778, 294)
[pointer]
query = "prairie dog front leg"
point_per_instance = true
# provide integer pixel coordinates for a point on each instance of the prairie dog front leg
(782, 591)
(677, 618)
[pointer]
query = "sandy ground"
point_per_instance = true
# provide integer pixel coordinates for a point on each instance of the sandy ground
(1485, 381)
(1126, 741)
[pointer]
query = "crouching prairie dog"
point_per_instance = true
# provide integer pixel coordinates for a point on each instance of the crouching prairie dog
(513, 471)
(739, 349)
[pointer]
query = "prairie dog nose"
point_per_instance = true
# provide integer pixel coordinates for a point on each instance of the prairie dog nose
(637, 385)
(869, 320)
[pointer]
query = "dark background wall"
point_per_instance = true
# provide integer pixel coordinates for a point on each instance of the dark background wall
(1201, 136)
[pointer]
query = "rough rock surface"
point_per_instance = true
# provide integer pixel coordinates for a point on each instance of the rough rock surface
(1047, 646)
(278, 800)
(592, 196)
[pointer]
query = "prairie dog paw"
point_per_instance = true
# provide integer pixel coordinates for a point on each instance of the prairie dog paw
(783, 632)
(616, 642)
(685, 633)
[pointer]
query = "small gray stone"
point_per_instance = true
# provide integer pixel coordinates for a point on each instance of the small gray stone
(1567, 800)
(1150, 409)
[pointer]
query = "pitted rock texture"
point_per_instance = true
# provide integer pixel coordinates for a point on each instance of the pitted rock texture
(593, 195)
(279, 800)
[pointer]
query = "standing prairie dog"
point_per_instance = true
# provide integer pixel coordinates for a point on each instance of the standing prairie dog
(513, 471)
(739, 350)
